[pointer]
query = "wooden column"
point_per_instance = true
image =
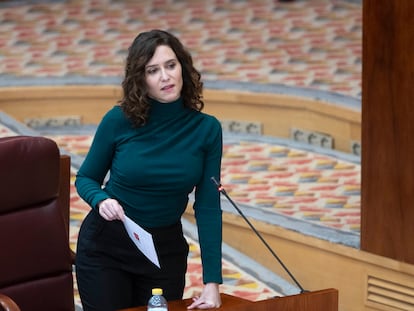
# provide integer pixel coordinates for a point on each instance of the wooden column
(387, 218)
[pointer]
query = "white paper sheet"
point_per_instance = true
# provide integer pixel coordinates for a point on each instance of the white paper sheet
(142, 239)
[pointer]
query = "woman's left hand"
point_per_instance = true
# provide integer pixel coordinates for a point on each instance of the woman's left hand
(209, 298)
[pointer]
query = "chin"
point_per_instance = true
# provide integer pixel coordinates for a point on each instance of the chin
(170, 99)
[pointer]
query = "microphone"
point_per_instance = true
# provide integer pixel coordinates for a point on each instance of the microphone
(221, 189)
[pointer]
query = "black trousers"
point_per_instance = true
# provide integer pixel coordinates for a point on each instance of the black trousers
(113, 274)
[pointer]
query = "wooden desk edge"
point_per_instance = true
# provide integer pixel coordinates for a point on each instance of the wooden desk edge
(227, 301)
(326, 299)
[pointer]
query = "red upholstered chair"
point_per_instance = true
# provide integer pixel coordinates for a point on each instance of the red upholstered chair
(35, 257)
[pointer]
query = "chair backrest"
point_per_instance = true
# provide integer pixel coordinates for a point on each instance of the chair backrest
(35, 257)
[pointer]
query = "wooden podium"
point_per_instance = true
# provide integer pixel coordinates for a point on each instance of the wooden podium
(322, 300)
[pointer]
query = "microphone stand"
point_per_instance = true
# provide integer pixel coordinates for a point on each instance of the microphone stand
(223, 191)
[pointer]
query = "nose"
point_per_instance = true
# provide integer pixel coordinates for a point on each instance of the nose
(164, 74)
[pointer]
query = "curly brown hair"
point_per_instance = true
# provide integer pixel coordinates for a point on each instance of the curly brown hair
(135, 101)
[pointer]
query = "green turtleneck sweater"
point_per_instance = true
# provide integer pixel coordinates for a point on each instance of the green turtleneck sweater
(153, 169)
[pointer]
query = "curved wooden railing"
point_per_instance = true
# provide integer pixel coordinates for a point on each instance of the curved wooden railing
(278, 114)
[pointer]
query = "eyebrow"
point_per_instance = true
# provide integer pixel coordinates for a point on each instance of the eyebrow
(166, 62)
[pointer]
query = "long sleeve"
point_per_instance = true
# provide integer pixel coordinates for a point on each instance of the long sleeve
(91, 175)
(208, 211)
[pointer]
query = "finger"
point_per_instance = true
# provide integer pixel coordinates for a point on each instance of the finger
(116, 210)
(103, 213)
(120, 214)
(195, 304)
(200, 304)
(205, 305)
(122, 217)
(107, 213)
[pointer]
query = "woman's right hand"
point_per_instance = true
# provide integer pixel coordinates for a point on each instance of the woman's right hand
(110, 209)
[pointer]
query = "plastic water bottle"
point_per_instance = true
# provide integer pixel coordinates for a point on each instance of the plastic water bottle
(157, 302)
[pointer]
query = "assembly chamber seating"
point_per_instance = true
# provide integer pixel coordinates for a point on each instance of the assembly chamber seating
(36, 260)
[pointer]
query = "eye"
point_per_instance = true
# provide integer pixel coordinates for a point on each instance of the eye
(171, 65)
(152, 70)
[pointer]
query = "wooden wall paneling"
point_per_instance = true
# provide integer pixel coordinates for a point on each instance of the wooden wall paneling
(387, 216)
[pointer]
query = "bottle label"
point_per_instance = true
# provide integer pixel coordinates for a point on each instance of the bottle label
(157, 309)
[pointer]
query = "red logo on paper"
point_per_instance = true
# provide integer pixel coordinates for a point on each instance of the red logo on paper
(136, 236)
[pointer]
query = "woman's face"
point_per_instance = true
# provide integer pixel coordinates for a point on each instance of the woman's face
(163, 75)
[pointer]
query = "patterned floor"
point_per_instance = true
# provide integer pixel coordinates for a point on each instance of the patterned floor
(314, 44)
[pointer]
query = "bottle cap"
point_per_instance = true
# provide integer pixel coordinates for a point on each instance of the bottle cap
(157, 291)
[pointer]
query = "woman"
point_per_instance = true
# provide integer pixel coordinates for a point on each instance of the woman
(157, 147)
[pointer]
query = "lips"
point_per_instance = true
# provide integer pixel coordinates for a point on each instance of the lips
(167, 87)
